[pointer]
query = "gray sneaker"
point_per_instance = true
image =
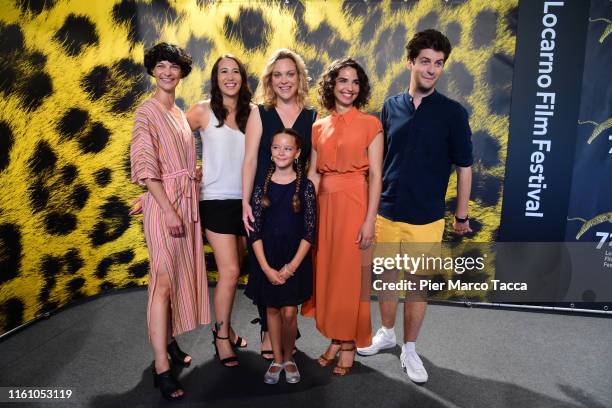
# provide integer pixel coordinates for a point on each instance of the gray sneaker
(380, 341)
(413, 366)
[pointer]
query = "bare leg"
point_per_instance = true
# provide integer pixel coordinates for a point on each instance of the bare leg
(388, 311)
(414, 314)
(187, 359)
(289, 330)
(159, 320)
(225, 250)
(275, 333)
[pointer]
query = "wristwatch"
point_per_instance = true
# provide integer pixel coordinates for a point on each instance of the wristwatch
(462, 220)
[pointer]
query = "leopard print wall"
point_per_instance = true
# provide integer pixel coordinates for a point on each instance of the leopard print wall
(71, 77)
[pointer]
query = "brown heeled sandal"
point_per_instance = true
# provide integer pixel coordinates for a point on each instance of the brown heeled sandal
(341, 371)
(325, 361)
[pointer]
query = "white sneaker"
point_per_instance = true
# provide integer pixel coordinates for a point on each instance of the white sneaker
(413, 366)
(380, 341)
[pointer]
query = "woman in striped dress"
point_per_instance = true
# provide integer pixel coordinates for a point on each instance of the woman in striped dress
(163, 158)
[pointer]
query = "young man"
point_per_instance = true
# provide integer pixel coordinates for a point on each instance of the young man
(425, 134)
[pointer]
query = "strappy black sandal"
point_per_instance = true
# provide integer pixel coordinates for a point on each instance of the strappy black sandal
(238, 342)
(178, 356)
(224, 362)
(167, 385)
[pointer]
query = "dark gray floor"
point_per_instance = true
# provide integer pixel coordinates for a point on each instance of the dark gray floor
(481, 358)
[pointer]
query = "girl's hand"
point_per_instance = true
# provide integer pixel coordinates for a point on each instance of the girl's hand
(198, 174)
(286, 272)
(174, 223)
(247, 217)
(137, 205)
(365, 238)
(274, 277)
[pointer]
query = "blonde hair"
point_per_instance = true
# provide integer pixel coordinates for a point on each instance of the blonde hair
(264, 92)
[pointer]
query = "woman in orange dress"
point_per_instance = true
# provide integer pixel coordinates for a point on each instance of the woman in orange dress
(346, 166)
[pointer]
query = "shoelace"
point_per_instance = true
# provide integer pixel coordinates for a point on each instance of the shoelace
(415, 358)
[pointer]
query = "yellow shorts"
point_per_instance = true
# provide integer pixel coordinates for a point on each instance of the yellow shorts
(396, 231)
(394, 238)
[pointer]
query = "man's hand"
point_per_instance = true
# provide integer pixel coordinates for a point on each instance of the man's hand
(462, 228)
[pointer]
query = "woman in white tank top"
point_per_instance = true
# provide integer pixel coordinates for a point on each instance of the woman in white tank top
(221, 122)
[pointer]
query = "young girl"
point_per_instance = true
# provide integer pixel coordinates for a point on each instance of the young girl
(284, 208)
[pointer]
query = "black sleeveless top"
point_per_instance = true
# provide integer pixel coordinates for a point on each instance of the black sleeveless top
(271, 123)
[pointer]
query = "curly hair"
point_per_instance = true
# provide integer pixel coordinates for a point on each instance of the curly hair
(296, 203)
(167, 52)
(244, 95)
(429, 38)
(327, 82)
(265, 93)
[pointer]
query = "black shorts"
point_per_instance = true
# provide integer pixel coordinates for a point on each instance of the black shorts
(222, 216)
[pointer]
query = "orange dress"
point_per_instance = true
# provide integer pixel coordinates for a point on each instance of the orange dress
(341, 297)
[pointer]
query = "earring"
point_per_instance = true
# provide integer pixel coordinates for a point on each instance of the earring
(271, 158)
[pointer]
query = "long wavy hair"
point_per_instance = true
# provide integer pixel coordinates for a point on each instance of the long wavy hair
(265, 93)
(296, 203)
(244, 95)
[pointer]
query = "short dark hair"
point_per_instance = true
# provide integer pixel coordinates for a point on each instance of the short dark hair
(429, 38)
(327, 82)
(167, 52)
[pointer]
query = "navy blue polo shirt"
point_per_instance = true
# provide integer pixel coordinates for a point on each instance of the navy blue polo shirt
(421, 145)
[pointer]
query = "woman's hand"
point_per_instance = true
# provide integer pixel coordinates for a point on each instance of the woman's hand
(274, 276)
(198, 174)
(247, 217)
(365, 238)
(174, 223)
(137, 205)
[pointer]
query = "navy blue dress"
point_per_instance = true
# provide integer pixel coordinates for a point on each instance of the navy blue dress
(281, 231)
(272, 123)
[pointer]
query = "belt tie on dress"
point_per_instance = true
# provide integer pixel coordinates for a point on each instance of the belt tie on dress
(191, 194)
(334, 182)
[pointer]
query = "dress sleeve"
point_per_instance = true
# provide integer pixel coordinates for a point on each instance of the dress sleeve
(257, 213)
(310, 212)
(374, 127)
(144, 149)
(315, 135)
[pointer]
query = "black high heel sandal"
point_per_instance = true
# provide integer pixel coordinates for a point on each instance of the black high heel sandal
(177, 356)
(167, 385)
(238, 342)
(224, 362)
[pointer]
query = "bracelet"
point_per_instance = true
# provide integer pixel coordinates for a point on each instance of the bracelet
(291, 272)
(462, 220)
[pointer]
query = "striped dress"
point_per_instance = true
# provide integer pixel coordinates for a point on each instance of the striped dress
(163, 148)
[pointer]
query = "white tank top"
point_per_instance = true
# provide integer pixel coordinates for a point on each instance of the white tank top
(222, 157)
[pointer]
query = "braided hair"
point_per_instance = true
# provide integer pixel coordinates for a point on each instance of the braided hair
(296, 203)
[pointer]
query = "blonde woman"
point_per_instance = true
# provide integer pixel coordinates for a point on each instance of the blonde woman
(281, 96)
